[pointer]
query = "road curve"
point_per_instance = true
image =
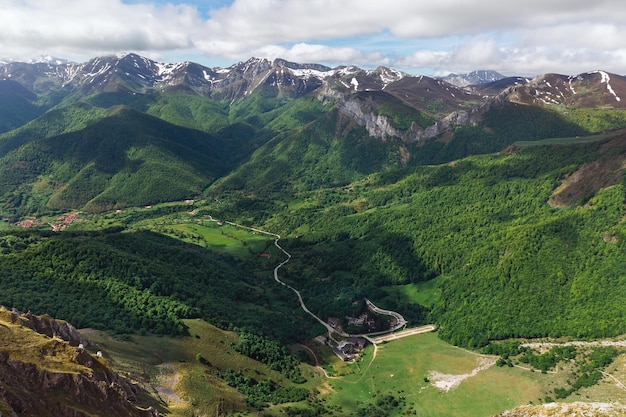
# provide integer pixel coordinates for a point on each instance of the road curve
(400, 321)
(276, 236)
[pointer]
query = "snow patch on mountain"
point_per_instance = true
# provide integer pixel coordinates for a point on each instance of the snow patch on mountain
(307, 73)
(163, 70)
(571, 87)
(606, 79)
(387, 75)
(354, 82)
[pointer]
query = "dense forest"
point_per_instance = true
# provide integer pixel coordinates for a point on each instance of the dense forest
(135, 282)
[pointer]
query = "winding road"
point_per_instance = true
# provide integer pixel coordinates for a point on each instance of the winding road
(400, 321)
(276, 236)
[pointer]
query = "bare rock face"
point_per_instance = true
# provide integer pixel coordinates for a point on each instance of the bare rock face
(376, 125)
(380, 126)
(54, 328)
(45, 371)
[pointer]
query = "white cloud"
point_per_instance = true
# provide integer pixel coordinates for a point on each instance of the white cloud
(96, 26)
(303, 52)
(530, 37)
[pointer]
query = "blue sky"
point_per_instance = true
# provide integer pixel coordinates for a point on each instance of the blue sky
(204, 6)
(420, 37)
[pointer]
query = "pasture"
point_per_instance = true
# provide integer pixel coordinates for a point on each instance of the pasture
(432, 378)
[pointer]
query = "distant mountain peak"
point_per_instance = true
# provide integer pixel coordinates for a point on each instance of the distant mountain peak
(587, 90)
(42, 59)
(473, 78)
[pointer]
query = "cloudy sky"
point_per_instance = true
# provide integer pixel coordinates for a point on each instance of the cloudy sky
(429, 37)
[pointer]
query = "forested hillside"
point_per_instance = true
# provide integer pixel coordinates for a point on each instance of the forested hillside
(134, 282)
(520, 267)
(124, 159)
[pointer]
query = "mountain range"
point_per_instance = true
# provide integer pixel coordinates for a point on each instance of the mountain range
(130, 73)
(473, 78)
(106, 125)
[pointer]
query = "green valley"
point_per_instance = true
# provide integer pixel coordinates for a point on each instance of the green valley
(184, 226)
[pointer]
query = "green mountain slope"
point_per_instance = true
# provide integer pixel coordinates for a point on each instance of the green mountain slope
(183, 109)
(18, 105)
(127, 158)
(309, 158)
(329, 149)
(510, 265)
(59, 120)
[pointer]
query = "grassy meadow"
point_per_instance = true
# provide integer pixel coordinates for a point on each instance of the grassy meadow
(402, 368)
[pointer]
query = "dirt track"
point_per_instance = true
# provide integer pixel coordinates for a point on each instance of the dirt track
(166, 387)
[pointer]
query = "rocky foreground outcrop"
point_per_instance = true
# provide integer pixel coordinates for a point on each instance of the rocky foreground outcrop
(577, 409)
(45, 371)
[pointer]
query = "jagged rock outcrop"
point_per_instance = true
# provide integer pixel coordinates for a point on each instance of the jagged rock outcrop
(45, 325)
(42, 374)
(377, 125)
(380, 126)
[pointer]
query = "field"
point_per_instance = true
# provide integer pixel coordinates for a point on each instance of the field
(224, 238)
(403, 367)
(179, 220)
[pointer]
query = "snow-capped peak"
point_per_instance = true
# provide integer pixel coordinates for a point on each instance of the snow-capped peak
(473, 78)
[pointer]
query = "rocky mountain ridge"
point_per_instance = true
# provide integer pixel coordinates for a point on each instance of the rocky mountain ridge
(588, 90)
(134, 73)
(473, 78)
(45, 325)
(45, 370)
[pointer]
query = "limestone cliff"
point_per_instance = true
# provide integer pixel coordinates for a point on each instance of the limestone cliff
(380, 126)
